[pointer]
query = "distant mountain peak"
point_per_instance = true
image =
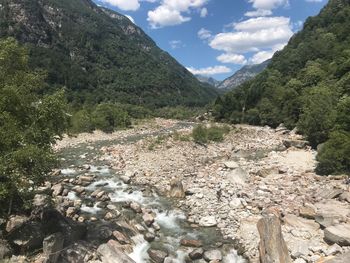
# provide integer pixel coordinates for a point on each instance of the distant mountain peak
(208, 80)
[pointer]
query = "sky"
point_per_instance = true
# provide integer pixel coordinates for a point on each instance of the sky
(217, 37)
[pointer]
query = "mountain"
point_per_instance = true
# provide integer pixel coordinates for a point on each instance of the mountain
(307, 85)
(98, 55)
(245, 73)
(209, 80)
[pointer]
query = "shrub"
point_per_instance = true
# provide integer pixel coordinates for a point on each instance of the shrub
(202, 134)
(334, 157)
(81, 121)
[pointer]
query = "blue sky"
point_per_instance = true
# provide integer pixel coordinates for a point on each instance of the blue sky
(217, 37)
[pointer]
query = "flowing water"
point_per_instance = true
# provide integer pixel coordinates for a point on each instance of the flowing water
(86, 159)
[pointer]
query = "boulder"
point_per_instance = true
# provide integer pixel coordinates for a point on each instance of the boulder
(231, 165)
(307, 212)
(57, 189)
(339, 234)
(212, 255)
(196, 254)
(301, 224)
(79, 252)
(135, 207)
(295, 143)
(345, 197)
(148, 218)
(330, 212)
(272, 246)
(236, 176)
(176, 189)
(157, 256)
(111, 253)
(5, 250)
(149, 237)
(125, 179)
(52, 247)
(208, 221)
(41, 201)
(344, 258)
(191, 242)
(120, 237)
(15, 221)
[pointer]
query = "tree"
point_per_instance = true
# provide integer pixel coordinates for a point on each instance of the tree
(29, 125)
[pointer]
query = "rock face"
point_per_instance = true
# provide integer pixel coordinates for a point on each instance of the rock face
(272, 247)
(176, 189)
(339, 234)
(111, 253)
(52, 246)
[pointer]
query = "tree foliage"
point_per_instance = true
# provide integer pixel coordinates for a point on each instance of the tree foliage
(29, 125)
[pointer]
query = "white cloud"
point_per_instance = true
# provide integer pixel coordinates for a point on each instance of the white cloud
(259, 12)
(254, 34)
(126, 5)
(204, 12)
(232, 58)
(261, 56)
(170, 12)
(265, 7)
(174, 44)
(210, 70)
(204, 34)
(314, 1)
(131, 19)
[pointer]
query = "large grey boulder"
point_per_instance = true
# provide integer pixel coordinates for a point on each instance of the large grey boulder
(52, 246)
(331, 211)
(111, 253)
(339, 234)
(272, 247)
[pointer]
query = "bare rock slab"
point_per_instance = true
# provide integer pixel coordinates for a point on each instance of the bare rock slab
(339, 234)
(272, 247)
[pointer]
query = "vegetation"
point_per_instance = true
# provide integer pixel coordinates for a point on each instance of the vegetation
(307, 85)
(202, 134)
(29, 124)
(100, 56)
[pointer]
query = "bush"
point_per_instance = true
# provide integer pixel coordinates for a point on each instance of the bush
(108, 117)
(334, 157)
(202, 134)
(81, 121)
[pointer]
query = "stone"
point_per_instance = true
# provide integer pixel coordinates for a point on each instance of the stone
(329, 193)
(42, 201)
(208, 221)
(235, 203)
(295, 143)
(120, 237)
(79, 252)
(307, 212)
(191, 242)
(5, 250)
(272, 246)
(135, 207)
(176, 189)
(333, 250)
(339, 234)
(112, 253)
(57, 189)
(148, 218)
(236, 176)
(345, 196)
(125, 179)
(331, 211)
(52, 246)
(301, 223)
(15, 221)
(212, 255)
(196, 253)
(231, 165)
(149, 237)
(158, 256)
(71, 211)
(344, 258)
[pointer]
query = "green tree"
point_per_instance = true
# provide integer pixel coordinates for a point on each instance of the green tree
(29, 125)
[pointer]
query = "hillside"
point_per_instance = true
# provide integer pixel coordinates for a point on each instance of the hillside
(244, 74)
(98, 54)
(307, 85)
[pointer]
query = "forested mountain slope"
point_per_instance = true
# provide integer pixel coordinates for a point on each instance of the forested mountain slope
(98, 54)
(306, 84)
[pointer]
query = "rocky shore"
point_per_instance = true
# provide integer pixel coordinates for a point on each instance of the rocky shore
(105, 205)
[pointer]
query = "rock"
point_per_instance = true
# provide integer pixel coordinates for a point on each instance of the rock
(42, 201)
(78, 189)
(111, 253)
(191, 243)
(333, 250)
(157, 256)
(78, 252)
(120, 237)
(295, 143)
(231, 165)
(212, 255)
(149, 237)
(71, 211)
(344, 258)
(52, 247)
(345, 197)
(208, 221)
(272, 246)
(307, 212)
(135, 207)
(329, 193)
(236, 176)
(57, 189)
(339, 234)
(148, 219)
(196, 254)
(125, 179)
(301, 223)
(15, 221)
(235, 203)
(176, 189)
(330, 212)
(5, 250)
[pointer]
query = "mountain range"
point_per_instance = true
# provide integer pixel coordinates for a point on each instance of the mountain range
(99, 55)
